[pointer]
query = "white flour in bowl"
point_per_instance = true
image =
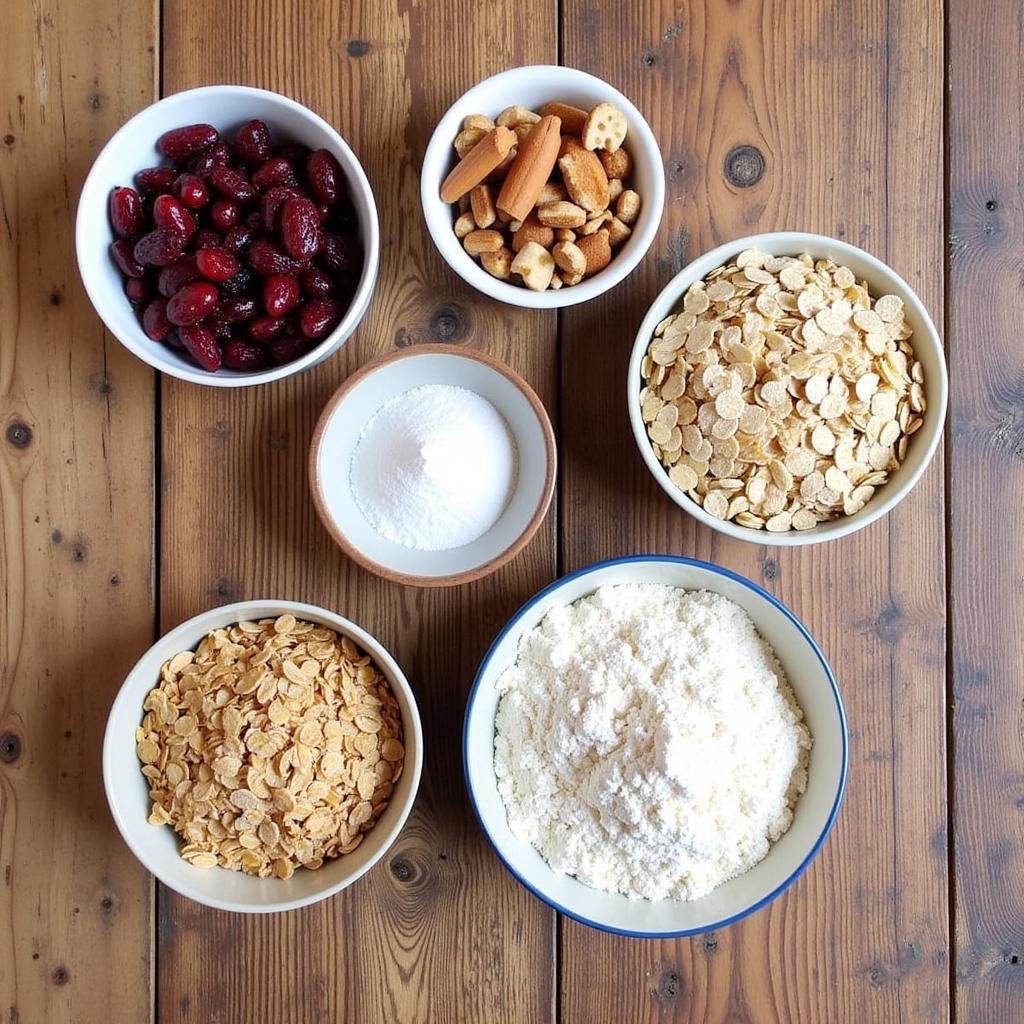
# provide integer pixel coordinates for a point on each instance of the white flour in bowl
(647, 742)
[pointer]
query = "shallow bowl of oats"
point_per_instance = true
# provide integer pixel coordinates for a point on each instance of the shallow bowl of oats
(787, 388)
(262, 756)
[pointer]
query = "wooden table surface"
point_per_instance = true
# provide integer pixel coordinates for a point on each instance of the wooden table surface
(130, 502)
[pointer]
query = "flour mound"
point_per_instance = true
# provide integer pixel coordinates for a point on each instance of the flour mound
(647, 742)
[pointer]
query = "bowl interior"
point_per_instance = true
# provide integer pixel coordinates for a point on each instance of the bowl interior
(531, 87)
(881, 280)
(157, 846)
(333, 457)
(133, 147)
(815, 691)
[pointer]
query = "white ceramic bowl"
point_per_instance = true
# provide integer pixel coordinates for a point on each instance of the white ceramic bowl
(882, 280)
(813, 685)
(531, 87)
(157, 846)
(133, 147)
(362, 394)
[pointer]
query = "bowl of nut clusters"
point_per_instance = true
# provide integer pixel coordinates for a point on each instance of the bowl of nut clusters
(542, 186)
(787, 389)
(262, 756)
(228, 236)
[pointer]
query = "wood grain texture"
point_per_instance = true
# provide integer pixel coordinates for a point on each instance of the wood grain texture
(986, 158)
(438, 931)
(76, 472)
(844, 105)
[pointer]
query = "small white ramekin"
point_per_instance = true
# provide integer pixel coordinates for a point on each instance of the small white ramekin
(531, 87)
(133, 147)
(882, 280)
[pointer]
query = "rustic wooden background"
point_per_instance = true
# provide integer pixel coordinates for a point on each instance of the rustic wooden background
(130, 502)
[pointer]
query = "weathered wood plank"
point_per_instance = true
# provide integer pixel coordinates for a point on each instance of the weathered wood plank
(438, 931)
(844, 104)
(76, 463)
(986, 156)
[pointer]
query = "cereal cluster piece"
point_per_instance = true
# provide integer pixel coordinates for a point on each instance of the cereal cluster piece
(275, 744)
(783, 394)
(543, 198)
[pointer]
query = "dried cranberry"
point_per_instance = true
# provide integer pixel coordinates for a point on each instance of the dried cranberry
(254, 221)
(243, 281)
(271, 203)
(216, 156)
(285, 350)
(324, 176)
(205, 238)
(160, 247)
(237, 238)
(123, 255)
(233, 185)
(137, 289)
(174, 341)
(193, 303)
(237, 308)
(252, 142)
(275, 171)
(169, 212)
(266, 259)
(181, 143)
(319, 317)
(218, 325)
(265, 328)
(224, 214)
(341, 254)
(177, 275)
(316, 283)
(296, 152)
(216, 264)
(156, 180)
(154, 320)
(243, 355)
(343, 216)
(191, 190)
(300, 228)
(126, 213)
(201, 345)
(280, 294)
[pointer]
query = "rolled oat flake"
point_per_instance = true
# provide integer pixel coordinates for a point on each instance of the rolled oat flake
(434, 468)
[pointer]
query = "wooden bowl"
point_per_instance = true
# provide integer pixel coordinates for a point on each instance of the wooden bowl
(355, 402)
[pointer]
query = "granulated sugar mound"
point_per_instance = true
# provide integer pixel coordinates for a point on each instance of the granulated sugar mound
(647, 742)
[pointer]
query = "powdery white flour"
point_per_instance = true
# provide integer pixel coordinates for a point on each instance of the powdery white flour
(434, 468)
(647, 742)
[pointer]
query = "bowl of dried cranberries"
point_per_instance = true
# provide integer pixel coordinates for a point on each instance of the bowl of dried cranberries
(228, 236)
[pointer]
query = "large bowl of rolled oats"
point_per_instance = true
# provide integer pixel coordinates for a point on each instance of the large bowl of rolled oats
(262, 756)
(787, 388)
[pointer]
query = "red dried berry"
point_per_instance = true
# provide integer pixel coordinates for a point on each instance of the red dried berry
(271, 202)
(266, 259)
(126, 217)
(324, 176)
(280, 294)
(237, 238)
(316, 283)
(216, 264)
(181, 143)
(201, 345)
(300, 228)
(137, 289)
(243, 355)
(218, 326)
(191, 190)
(319, 317)
(224, 214)
(123, 254)
(265, 328)
(156, 180)
(177, 275)
(233, 185)
(243, 281)
(154, 320)
(238, 308)
(216, 156)
(205, 239)
(159, 248)
(341, 254)
(275, 171)
(285, 350)
(169, 212)
(252, 142)
(295, 152)
(193, 303)
(254, 221)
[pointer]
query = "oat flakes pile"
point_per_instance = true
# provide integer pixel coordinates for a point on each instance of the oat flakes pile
(275, 744)
(783, 394)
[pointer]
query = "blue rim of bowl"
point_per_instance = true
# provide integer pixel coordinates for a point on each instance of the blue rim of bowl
(750, 585)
